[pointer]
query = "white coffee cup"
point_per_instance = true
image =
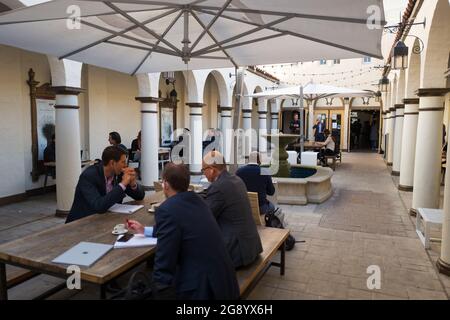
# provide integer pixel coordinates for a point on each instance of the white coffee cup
(119, 228)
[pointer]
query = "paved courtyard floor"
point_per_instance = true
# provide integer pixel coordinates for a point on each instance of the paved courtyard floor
(365, 223)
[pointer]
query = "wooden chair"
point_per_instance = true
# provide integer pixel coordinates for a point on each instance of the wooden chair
(254, 203)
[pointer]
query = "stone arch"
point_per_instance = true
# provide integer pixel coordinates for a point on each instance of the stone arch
(65, 73)
(435, 57)
(194, 85)
(412, 81)
(223, 90)
(401, 84)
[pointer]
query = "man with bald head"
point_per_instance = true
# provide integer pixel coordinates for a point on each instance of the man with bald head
(228, 200)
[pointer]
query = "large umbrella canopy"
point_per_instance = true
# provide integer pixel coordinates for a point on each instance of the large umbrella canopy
(140, 36)
(312, 91)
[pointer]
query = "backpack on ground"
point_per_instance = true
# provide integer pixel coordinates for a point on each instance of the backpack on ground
(275, 219)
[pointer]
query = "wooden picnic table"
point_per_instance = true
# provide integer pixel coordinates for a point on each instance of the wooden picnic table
(309, 145)
(36, 252)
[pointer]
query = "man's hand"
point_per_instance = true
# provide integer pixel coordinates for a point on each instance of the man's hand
(129, 177)
(135, 226)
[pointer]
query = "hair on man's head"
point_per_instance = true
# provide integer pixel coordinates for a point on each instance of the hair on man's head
(112, 153)
(116, 137)
(177, 175)
(216, 160)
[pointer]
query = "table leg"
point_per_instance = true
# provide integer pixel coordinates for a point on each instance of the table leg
(282, 258)
(103, 291)
(3, 288)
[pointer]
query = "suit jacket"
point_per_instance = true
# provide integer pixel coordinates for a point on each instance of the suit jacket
(191, 253)
(255, 182)
(91, 197)
(228, 200)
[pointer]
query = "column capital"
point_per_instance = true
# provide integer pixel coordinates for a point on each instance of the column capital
(391, 109)
(62, 90)
(411, 101)
(432, 92)
(246, 110)
(224, 108)
(262, 112)
(148, 99)
(399, 106)
(195, 104)
(274, 113)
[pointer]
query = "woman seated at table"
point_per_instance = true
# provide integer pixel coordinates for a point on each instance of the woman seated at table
(328, 146)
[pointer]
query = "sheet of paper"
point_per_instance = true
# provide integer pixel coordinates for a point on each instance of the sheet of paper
(137, 241)
(125, 208)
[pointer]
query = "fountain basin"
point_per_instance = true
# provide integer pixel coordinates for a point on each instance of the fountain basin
(315, 188)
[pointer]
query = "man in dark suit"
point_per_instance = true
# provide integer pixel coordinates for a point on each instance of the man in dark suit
(228, 200)
(102, 185)
(258, 182)
(190, 255)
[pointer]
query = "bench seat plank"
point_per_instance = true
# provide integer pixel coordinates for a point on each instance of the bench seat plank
(271, 239)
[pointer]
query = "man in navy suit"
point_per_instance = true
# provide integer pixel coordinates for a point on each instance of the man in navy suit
(104, 184)
(257, 182)
(190, 256)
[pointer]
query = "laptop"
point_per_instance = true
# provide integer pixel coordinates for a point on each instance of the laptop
(83, 254)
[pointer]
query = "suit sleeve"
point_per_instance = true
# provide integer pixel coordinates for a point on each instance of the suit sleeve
(214, 200)
(137, 194)
(270, 187)
(168, 246)
(96, 201)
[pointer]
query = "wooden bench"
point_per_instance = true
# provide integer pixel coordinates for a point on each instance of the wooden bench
(254, 203)
(272, 240)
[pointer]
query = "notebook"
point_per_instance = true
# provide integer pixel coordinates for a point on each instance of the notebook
(137, 241)
(83, 254)
(125, 208)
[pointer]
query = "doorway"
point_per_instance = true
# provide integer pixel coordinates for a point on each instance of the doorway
(333, 121)
(364, 130)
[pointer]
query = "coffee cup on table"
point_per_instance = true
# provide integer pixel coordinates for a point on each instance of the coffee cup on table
(120, 228)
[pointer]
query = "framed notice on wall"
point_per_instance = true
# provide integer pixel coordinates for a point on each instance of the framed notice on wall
(42, 107)
(45, 116)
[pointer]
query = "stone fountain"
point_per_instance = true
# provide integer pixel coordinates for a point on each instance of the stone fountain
(279, 155)
(314, 188)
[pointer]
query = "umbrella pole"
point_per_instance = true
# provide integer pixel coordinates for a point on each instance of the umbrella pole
(302, 122)
(240, 72)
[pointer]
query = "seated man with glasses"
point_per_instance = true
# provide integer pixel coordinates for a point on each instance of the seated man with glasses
(228, 200)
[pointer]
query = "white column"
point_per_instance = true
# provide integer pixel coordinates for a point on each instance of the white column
(391, 132)
(227, 134)
(411, 116)
(427, 167)
(247, 127)
(68, 158)
(383, 130)
(196, 127)
(311, 122)
(346, 123)
(398, 135)
(262, 131)
(274, 123)
(443, 263)
(149, 140)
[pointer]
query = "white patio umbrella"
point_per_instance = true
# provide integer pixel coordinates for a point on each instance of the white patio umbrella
(310, 92)
(140, 36)
(143, 36)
